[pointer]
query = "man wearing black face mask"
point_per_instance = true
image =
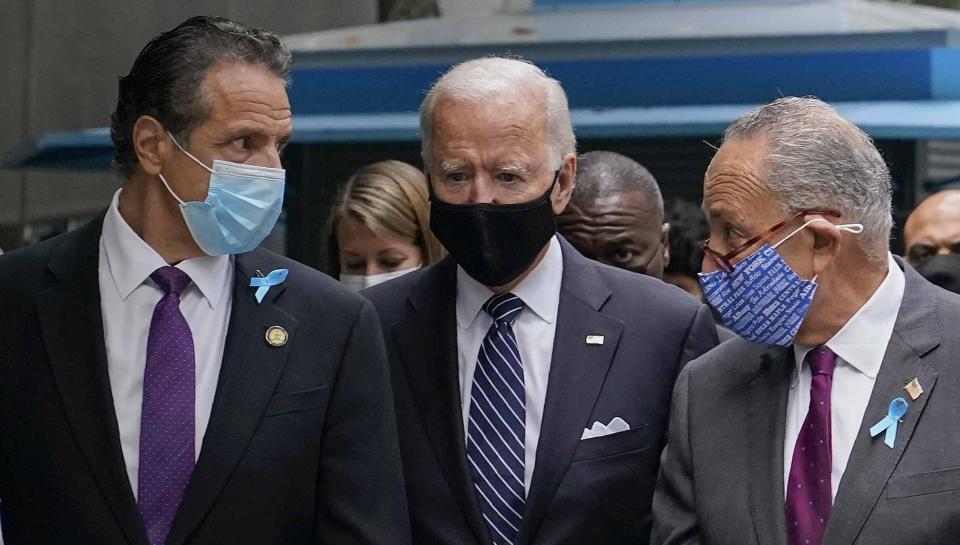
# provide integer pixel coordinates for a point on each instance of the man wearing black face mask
(532, 384)
(932, 238)
(615, 215)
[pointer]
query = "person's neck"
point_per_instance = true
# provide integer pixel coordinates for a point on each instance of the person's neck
(153, 215)
(516, 281)
(840, 294)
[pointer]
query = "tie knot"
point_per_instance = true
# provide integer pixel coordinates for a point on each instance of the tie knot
(504, 307)
(171, 280)
(822, 360)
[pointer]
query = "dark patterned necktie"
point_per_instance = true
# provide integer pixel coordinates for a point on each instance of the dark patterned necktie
(167, 420)
(496, 431)
(809, 499)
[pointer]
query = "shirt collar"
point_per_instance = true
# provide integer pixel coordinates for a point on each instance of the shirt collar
(131, 260)
(540, 290)
(857, 341)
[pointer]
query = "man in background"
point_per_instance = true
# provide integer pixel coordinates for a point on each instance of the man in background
(932, 239)
(687, 228)
(615, 214)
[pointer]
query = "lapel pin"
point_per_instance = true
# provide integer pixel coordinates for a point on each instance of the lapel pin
(276, 336)
(594, 339)
(896, 410)
(263, 284)
(914, 389)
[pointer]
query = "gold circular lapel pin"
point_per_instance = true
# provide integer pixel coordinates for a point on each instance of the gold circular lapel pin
(276, 336)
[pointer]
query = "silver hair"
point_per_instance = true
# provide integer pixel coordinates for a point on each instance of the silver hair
(492, 78)
(816, 159)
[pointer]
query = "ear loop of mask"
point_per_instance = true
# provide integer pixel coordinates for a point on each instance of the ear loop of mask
(855, 228)
(188, 154)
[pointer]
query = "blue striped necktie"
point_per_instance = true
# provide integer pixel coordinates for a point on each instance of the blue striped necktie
(496, 430)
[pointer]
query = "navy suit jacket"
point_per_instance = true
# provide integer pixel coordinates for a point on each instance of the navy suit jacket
(596, 491)
(301, 447)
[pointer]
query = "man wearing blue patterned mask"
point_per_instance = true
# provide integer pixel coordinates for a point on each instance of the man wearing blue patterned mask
(824, 413)
(162, 379)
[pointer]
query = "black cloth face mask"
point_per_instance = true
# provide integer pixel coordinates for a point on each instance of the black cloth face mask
(942, 270)
(494, 243)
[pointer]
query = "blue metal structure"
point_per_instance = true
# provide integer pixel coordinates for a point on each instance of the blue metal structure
(631, 69)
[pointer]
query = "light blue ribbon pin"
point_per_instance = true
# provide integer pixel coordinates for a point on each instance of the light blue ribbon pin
(263, 283)
(898, 408)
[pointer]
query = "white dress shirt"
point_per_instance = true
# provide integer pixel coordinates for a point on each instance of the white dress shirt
(534, 329)
(859, 345)
(127, 299)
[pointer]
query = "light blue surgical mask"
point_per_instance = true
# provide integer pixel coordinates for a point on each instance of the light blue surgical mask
(242, 206)
(763, 300)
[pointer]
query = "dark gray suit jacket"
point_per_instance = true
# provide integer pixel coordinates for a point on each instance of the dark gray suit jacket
(301, 447)
(595, 491)
(721, 477)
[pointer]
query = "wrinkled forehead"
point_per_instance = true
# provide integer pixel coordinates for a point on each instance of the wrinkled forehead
(503, 126)
(525, 104)
(733, 188)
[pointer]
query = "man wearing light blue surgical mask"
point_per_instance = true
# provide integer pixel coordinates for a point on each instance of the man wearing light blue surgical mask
(242, 205)
(163, 379)
(823, 415)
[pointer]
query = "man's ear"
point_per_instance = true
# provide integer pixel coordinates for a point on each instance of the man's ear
(565, 182)
(826, 244)
(151, 144)
(665, 242)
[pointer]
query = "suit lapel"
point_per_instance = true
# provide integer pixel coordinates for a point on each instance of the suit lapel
(431, 367)
(577, 373)
(871, 462)
(249, 374)
(767, 419)
(72, 326)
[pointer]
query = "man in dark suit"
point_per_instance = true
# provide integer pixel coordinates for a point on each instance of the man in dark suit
(615, 214)
(164, 382)
(531, 383)
(832, 420)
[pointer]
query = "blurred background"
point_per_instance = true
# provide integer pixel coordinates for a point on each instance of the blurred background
(655, 80)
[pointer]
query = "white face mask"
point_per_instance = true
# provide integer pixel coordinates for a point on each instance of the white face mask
(358, 282)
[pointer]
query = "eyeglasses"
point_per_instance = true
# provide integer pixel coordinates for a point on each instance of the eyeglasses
(724, 261)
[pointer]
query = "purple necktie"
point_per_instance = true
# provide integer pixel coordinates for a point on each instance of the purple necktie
(166, 423)
(808, 490)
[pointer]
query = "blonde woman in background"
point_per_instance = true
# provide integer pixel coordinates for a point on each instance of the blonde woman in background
(379, 227)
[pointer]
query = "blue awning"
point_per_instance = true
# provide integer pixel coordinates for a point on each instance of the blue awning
(683, 69)
(925, 119)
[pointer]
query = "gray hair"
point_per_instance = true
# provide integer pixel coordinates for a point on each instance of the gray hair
(602, 174)
(491, 78)
(818, 160)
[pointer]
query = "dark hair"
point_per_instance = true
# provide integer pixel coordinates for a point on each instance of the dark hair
(605, 173)
(166, 80)
(688, 227)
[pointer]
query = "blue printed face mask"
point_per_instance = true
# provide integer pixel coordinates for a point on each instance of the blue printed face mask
(242, 206)
(763, 300)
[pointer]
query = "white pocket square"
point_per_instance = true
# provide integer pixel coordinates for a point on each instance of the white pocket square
(616, 425)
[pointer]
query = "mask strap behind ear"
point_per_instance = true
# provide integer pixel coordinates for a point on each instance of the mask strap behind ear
(855, 228)
(195, 160)
(164, 180)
